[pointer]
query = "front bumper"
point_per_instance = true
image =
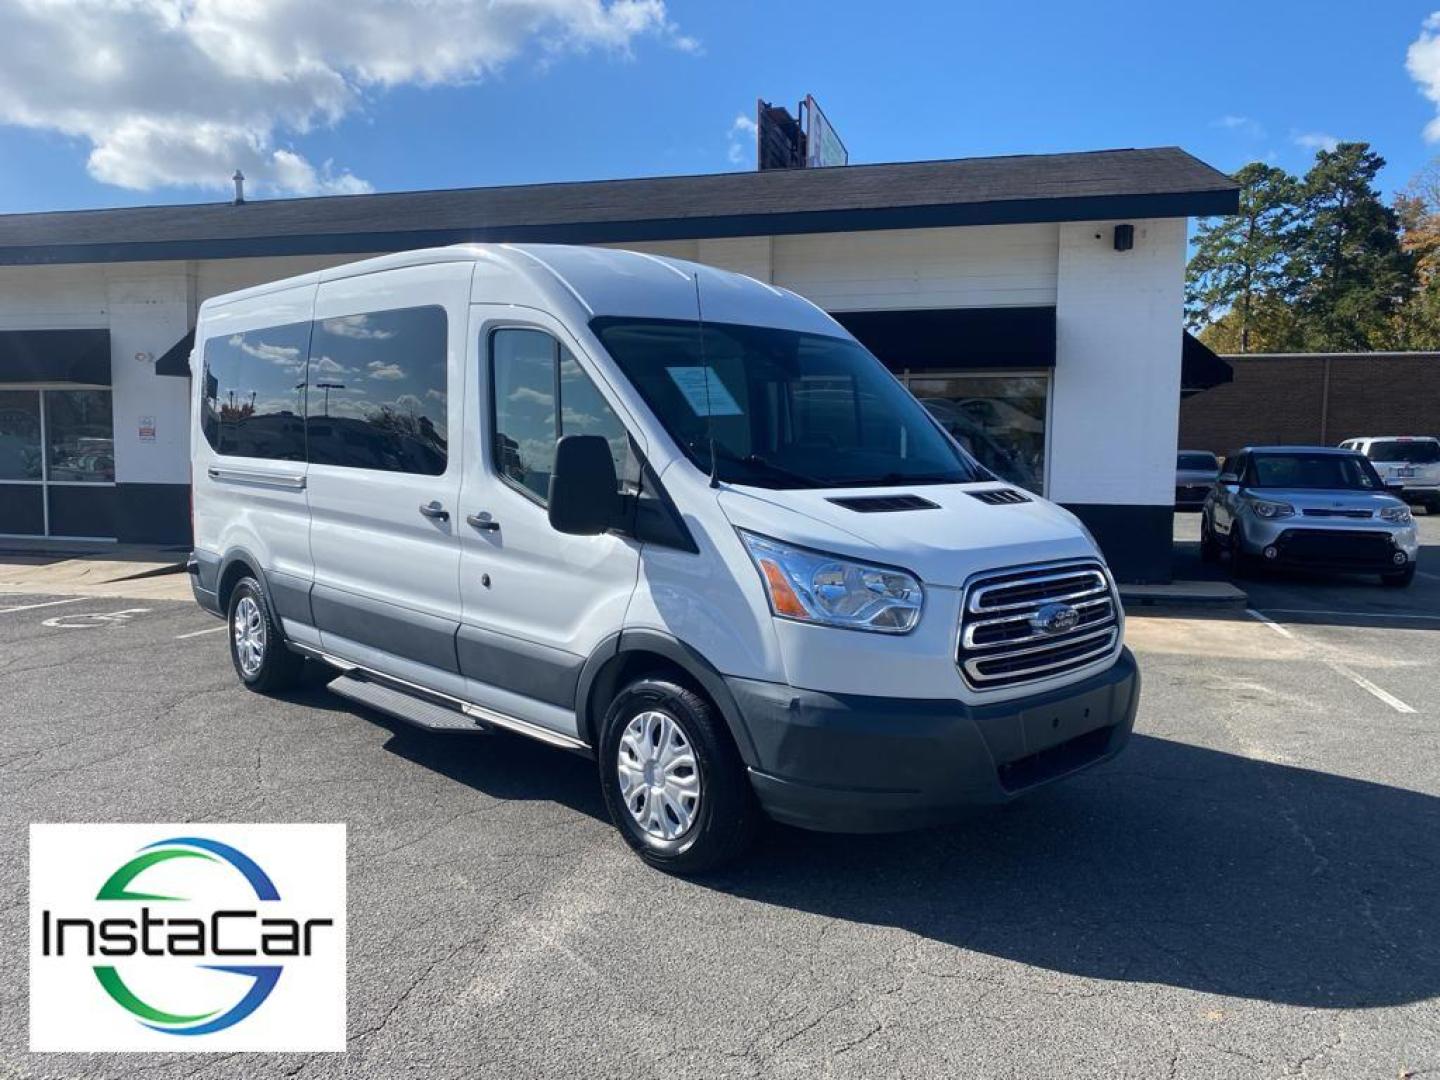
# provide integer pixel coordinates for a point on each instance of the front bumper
(1329, 544)
(852, 763)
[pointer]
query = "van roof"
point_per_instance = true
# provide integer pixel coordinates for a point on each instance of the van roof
(588, 282)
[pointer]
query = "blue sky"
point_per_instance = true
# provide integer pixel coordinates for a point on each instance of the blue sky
(644, 88)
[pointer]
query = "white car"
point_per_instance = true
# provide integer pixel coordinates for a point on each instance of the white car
(661, 515)
(1410, 463)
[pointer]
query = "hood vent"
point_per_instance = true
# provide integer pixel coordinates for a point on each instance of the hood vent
(999, 496)
(884, 504)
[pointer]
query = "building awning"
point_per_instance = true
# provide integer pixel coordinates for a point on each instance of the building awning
(1011, 338)
(176, 360)
(1200, 368)
(55, 356)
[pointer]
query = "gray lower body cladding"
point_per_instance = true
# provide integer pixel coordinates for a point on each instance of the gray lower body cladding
(852, 763)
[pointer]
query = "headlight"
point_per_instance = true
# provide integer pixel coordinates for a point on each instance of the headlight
(811, 586)
(1266, 509)
(1400, 515)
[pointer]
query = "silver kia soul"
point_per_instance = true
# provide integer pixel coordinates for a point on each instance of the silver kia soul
(668, 517)
(1308, 507)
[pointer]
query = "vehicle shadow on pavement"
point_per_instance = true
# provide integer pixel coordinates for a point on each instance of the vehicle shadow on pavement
(498, 764)
(1176, 865)
(1325, 598)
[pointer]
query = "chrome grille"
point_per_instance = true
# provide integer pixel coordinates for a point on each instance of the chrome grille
(1001, 643)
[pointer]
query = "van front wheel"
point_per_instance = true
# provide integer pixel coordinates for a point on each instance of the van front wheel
(673, 781)
(257, 647)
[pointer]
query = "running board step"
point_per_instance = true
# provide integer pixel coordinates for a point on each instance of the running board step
(403, 706)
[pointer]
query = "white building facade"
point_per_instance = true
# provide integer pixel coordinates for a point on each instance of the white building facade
(1038, 319)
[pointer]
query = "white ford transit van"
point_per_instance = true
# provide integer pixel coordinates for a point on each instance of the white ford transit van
(659, 514)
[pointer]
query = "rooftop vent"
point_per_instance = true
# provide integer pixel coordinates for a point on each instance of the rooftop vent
(884, 504)
(1000, 496)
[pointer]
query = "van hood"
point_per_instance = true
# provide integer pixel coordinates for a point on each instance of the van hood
(942, 546)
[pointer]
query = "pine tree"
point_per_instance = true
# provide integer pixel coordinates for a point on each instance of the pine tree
(1241, 278)
(1354, 276)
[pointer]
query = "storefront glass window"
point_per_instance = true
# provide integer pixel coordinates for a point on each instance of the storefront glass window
(19, 435)
(80, 433)
(1000, 419)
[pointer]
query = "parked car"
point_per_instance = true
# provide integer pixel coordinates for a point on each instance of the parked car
(727, 555)
(1195, 472)
(1312, 507)
(1412, 461)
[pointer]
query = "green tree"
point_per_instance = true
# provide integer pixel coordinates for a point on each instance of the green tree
(1354, 276)
(1241, 277)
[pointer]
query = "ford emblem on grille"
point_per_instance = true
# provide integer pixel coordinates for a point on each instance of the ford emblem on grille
(1055, 619)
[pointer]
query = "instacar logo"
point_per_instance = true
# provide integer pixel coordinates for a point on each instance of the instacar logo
(188, 943)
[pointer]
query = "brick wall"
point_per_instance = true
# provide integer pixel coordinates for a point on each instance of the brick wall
(1279, 399)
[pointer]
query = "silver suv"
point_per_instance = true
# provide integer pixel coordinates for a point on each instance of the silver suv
(1309, 507)
(1411, 461)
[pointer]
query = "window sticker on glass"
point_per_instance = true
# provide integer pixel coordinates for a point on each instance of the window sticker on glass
(711, 400)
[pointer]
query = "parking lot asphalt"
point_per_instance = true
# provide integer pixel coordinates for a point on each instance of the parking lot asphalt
(1251, 890)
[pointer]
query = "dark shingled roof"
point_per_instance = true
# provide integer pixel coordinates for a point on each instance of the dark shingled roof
(1105, 184)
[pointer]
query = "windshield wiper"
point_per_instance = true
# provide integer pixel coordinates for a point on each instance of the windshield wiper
(755, 461)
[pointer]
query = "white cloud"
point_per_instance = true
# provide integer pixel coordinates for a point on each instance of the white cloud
(1422, 61)
(1315, 140)
(286, 357)
(742, 140)
(356, 326)
(387, 372)
(182, 92)
(1244, 125)
(328, 365)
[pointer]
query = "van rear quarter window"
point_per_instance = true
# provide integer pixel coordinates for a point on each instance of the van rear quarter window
(377, 395)
(254, 393)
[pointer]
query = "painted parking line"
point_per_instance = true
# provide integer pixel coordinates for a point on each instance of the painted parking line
(47, 603)
(1352, 614)
(197, 633)
(1340, 669)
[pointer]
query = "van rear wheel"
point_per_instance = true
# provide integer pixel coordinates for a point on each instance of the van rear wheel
(257, 646)
(673, 782)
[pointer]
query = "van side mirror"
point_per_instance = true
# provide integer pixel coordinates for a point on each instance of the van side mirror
(584, 490)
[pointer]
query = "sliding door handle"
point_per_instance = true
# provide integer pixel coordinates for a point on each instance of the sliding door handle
(483, 522)
(435, 511)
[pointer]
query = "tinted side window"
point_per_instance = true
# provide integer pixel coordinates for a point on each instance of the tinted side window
(530, 368)
(524, 407)
(584, 412)
(254, 392)
(377, 391)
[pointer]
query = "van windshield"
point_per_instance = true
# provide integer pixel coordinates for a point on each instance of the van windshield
(784, 409)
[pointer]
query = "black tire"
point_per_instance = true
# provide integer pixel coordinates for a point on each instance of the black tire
(727, 816)
(1400, 580)
(1209, 547)
(278, 668)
